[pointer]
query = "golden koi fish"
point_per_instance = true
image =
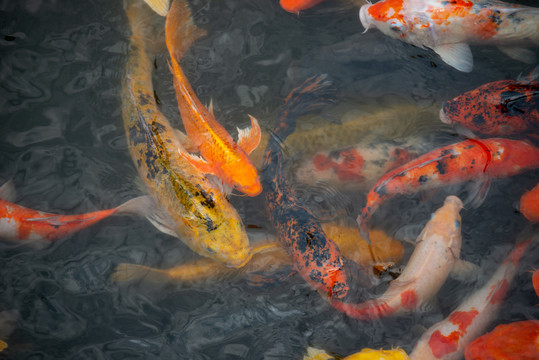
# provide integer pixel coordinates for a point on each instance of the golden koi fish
(191, 207)
(365, 354)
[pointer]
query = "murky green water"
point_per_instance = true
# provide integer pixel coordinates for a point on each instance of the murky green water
(62, 142)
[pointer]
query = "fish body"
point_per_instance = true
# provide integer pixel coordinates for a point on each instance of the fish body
(295, 6)
(464, 161)
(192, 208)
(437, 250)
(315, 256)
(515, 341)
(365, 354)
(500, 108)
(447, 339)
(448, 27)
(221, 156)
(529, 204)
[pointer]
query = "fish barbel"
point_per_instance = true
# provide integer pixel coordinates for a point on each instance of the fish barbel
(190, 207)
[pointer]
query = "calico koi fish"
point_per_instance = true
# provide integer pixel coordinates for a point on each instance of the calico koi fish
(529, 204)
(437, 250)
(316, 257)
(500, 108)
(464, 161)
(221, 156)
(268, 256)
(365, 354)
(447, 339)
(515, 341)
(188, 205)
(18, 223)
(448, 27)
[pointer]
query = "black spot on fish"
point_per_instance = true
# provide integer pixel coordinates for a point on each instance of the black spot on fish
(441, 166)
(208, 199)
(381, 190)
(158, 127)
(210, 225)
(156, 98)
(423, 179)
(478, 119)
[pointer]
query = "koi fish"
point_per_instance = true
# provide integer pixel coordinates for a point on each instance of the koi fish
(221, 156)
(295, 6)
(316, 257)
(529, 204)
(437, 250)
(365, 354)
(268, 256)
(500, 108)
(447, 339)
(188, 205)
(464, 161)
(515, 341)
(448, 27)
(358, 167)
(18, 223)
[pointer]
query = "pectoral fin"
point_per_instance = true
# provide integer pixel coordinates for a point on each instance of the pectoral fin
(201, 164)
(464, 271)
(520, 54)
(159, 6)
(7, 191)
(186, 141)
(478, 191)
(456, 55)
(249, 138)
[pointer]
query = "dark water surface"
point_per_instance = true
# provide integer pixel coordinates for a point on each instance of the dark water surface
(62, 143)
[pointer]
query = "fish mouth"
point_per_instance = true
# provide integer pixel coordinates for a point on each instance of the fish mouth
(364, 17)
(443, 117)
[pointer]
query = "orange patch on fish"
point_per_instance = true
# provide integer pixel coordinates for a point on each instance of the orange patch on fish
(409, 299)
(387, 10)
(463, 319)
(350, 168)
(442, 345)
(535, 281)
(498, 292)
(529, 204)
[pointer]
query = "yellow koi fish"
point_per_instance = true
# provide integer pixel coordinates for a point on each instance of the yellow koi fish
(189, 206)
(365, 354)
(221, 156)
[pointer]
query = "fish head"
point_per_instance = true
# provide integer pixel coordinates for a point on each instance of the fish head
(386, 16)
(447, 218)
(224, 241)
(247, 180)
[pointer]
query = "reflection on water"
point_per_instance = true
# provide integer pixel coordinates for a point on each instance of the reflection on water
(62, 142)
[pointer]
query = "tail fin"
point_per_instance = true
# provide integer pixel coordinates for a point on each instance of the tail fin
(130, 272)
(181, 31)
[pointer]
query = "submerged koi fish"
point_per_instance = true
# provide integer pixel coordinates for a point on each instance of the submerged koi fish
(222, 157)
(188, 205)
(295, 6)
(518, 340)
(448, 27)
(447, 339)
(365, 354)
(268, 256)
(437, 250)
(500, 108)
(18, 223)
(529, 204)
(316, 257)
(479, 160)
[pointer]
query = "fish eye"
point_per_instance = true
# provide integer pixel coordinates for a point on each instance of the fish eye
(457, 224)
(395, 26)
(210, 250)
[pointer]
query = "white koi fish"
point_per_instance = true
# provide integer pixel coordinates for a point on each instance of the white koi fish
(448, 27)
(437, 251)
(447, 339)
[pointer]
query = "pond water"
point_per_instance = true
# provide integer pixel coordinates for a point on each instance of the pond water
(63, 144)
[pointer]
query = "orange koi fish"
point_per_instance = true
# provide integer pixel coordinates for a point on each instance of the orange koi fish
(18, 223)
(295, 6)
(447, 339)
(500, 108)
(529, 204)
(464, 161)
(515, 341)
(221, 156)
(437, 250)
(448, 27)
(316, 257)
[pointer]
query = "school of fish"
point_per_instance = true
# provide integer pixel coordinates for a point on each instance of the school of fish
(188, 178)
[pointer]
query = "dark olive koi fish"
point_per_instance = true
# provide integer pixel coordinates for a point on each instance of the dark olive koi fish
(437, 251)
(464, 161)
(447, 339)
(500, 108)
(316, 257)
(18, 223)
(190, 207)
(449, 27)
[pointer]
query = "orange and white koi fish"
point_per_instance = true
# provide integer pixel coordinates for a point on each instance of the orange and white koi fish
(448, 27)
(447, 339)
(479, 160)
(518, 340)
(18, 223)
(529, 204)
(437, 251)
(221, 156)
